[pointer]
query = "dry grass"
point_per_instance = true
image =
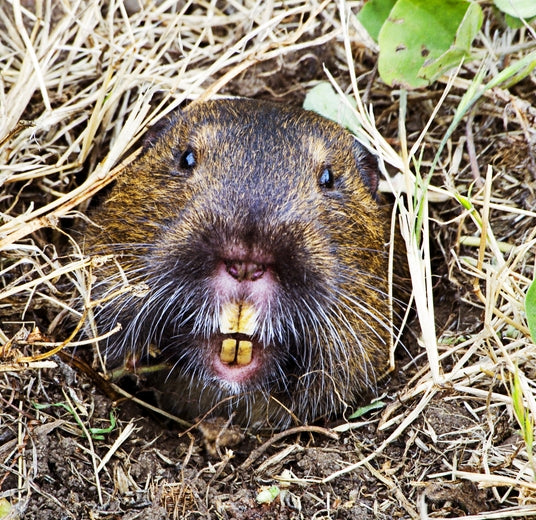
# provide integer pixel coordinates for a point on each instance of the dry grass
(80, 83)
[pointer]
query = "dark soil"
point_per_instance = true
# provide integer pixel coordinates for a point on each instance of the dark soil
(162, 471)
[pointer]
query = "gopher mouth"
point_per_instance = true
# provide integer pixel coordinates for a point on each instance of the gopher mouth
(238, 363)
(236, 351)
(236, 354)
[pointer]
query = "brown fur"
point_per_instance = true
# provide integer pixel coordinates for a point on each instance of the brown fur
(256, 187)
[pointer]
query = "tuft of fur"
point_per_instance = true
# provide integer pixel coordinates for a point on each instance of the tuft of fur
(248, 178)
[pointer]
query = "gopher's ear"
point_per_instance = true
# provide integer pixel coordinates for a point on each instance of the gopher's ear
(367, 165)
(160, 129)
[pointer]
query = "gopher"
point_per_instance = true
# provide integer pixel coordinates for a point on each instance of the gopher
(253, 261)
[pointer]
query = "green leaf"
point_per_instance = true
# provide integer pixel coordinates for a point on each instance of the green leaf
(98, 433)
(517, 8)
(460, 49)
(517, 23)
(6, 509)
(323, 100)
(365, 409)
(417, 31)
(373, 15)
(268, 495)
(530, 309)
(469, 27)
(514, 73)
(452, 58)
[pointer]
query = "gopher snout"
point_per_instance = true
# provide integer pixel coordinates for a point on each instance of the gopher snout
(245, 270)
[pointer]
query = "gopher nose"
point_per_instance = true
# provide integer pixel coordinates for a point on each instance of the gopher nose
(242, 270)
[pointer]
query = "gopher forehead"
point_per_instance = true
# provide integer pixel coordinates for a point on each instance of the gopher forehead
(205, 134)
(314, 148)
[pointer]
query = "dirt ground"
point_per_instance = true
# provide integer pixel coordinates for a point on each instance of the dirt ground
(437, 446)
(161, 471)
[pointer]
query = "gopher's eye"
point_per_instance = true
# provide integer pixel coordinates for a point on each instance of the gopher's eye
(326, 179)
(187, 160)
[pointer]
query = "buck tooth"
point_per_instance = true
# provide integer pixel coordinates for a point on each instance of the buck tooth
(245, 350)
(229, 316)
(238, 318)
(228, 350)
(248, 319)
